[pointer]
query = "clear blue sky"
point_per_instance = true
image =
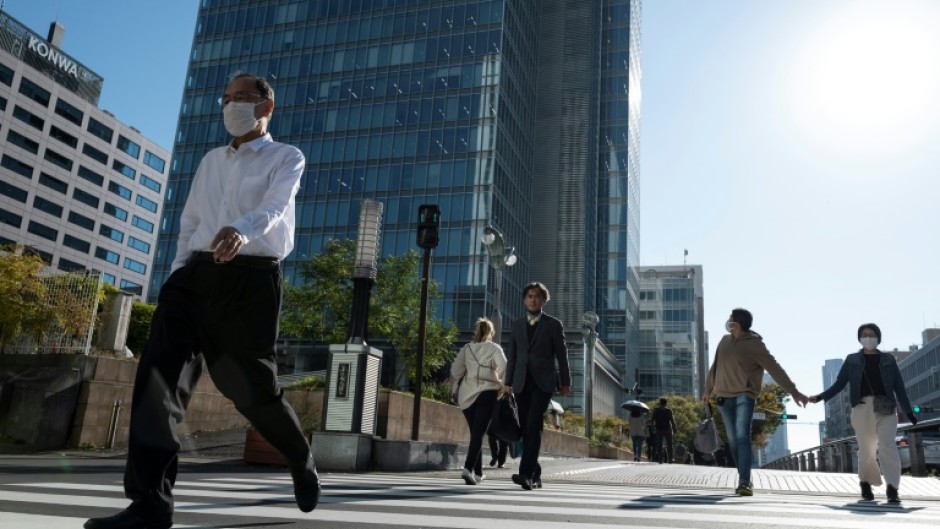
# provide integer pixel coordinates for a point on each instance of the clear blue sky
(789, 145)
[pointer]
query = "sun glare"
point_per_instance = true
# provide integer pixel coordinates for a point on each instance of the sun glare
(867, 78)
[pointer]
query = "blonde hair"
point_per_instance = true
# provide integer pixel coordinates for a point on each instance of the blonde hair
(482, 330)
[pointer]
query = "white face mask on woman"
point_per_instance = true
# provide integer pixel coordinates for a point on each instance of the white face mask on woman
(239, 118)
(868, 342)
(728, 325)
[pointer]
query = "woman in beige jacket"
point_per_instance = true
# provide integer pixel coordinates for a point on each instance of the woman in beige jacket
(736, 377)
(482, 366)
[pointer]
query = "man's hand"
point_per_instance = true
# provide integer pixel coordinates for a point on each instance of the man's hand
(226, 244)
(564, 391)
(814, 399)
(504, 390)
(705, 399)
(800, 398)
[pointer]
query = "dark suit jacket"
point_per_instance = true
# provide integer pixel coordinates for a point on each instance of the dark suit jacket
(547, 348)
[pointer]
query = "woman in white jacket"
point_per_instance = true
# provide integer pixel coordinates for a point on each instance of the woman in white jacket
(482, 365)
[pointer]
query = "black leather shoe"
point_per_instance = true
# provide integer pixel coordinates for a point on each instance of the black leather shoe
(493, 462)
(867, 494)
(128, 520)
(892, 493)
(306, 485)
(526, 483)
(537, 482)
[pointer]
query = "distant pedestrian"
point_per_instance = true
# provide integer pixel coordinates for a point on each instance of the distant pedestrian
(735, 378)
(482, 366)
(875, 390)
(637, 422)
(498, 450)
(666, 428)
(682, 454)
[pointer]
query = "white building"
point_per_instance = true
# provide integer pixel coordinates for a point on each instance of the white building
(77, 186)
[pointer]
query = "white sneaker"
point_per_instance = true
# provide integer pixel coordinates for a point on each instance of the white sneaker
(468, 477)
(480, 478)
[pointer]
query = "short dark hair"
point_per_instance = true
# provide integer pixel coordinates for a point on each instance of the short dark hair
(541, 288)
(871, 326)
(663, 401)
(261, 84)
(743, 318)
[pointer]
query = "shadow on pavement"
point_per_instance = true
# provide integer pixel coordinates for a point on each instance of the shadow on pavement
(663, 500)
(871, 508)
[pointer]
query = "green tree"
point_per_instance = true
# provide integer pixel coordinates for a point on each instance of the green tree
(319, 308)
(770, 401)
(23, 304)
(138, 330)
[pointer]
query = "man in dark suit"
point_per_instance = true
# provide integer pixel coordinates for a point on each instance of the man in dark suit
(537, 344)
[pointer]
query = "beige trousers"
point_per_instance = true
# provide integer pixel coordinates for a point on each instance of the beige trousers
(875, 434)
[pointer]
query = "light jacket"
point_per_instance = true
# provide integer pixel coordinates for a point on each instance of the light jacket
(853, 370)
(739, 365)
(482, 365)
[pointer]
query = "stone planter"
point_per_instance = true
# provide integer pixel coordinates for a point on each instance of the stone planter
(610, 452)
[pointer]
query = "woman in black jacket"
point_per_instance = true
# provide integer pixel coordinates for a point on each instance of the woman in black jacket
(875, 389)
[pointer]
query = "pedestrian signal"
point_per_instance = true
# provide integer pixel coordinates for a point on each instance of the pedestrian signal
(787, 416)
(429, 221)
(923, 409)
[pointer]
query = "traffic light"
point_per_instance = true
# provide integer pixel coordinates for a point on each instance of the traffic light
(787, 416)
(429, 220)
(923, 409)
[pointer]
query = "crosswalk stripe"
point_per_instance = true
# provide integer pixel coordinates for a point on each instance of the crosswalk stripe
(631, 506)
(16, 520)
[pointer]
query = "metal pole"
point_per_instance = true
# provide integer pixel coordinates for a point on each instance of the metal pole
(589, 384)
(422, 331)
(497, 305)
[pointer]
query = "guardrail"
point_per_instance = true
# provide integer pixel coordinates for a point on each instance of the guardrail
(838, 456)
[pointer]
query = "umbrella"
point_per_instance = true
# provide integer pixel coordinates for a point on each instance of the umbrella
(632, 405)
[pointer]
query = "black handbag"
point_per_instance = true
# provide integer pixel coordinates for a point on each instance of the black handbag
(881, 403)
(505, 423)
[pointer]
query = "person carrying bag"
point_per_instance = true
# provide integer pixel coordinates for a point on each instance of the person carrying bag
(706, 434)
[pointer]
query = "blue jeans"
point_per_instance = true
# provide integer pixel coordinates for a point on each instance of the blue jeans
(737, 413)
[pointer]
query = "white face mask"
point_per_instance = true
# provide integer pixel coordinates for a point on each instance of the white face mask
(239, 118)
(869, 342)
(728, 325)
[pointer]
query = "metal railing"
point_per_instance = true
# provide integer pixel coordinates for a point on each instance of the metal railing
(839, 455)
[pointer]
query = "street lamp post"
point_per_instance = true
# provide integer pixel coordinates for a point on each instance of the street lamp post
(501, 256)
(589, 323)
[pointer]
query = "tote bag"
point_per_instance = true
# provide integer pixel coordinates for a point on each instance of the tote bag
(706, 433)
(505, 423)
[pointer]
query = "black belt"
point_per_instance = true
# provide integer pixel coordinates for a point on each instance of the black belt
(261, 262)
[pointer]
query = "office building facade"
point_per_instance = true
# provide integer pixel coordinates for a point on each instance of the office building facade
(77, 186)
(673, 349)
(838, 409)
(920, 371)
(460, 104)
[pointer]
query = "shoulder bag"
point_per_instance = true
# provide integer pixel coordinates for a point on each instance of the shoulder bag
(881, 403)
(706, 433)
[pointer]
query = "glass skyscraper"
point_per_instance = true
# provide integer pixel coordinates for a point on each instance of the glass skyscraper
(520, 114)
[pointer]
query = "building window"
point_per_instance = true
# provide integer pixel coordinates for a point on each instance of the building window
(128, 146)
(28, 117)
(146, 203)
(133, 288)
(6, 75)
(70, 266)
(108, 278)
(64, 137)
(3, 103)
(53, 183)
(17, 166)
(81, 221)
(136, 266)
(57, 159)
(15, 138)
(107, 255)
(154, 161)
(42, 230)
(45, 256)
(69, 112)
(138, 244)
(114, 211)
(76, 244)
(124, 169)
(13, 192)
(34, 92)
(99, 129)
(119, 190)
(90, 175)
(111, 233)
(145, 225)
(95, 154)
(11, 219)
(85, 198)
(48, 206)
(150, 183)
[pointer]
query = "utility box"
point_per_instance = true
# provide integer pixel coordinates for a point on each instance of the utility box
(352, 389)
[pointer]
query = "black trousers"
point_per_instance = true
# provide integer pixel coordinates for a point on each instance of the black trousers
(532, 405)
(498, 449)
(227, 316)
(478, 416)
(658, 441)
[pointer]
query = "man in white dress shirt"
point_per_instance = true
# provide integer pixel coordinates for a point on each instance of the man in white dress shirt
(221, 303)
